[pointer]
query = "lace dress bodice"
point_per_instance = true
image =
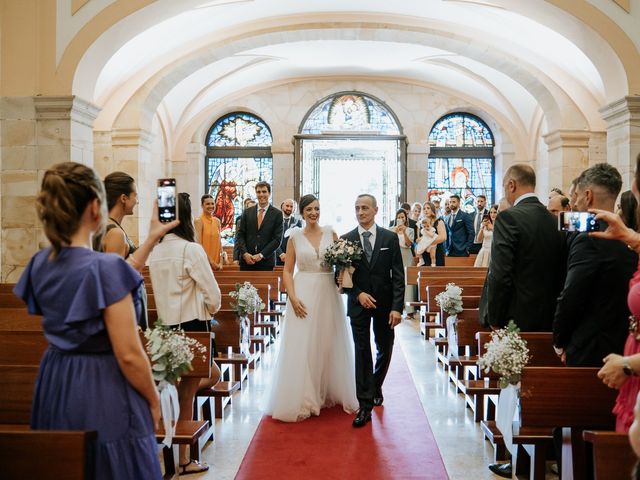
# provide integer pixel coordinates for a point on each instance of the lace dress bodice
(307, 258)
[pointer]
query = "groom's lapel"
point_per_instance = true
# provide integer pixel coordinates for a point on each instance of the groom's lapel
(376, 247)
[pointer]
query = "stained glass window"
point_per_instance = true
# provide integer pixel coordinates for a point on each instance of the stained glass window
(238, 157)
(459, 131)
(350, 112)
(461, 160)
(239, 130)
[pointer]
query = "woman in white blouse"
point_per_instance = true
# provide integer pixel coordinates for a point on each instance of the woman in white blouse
(187, 295)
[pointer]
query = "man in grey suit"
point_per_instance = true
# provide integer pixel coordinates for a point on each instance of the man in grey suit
(460, 224)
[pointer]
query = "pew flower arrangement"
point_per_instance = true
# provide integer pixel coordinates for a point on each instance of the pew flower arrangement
(247, 300)
(451, 299)
(341, 255)
(171, 353)
(507, 354)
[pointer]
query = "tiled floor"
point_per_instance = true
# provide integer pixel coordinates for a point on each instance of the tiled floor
(463, 449)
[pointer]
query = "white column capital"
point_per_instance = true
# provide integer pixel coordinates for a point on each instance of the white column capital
(132, 137)
(66, 108)
(622, 111)
(563, 138)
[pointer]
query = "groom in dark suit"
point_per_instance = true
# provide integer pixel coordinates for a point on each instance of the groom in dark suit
(259, 233)
(377, 295)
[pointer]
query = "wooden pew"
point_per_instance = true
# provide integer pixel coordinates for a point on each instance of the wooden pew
(227, 335)
(9, 300)
(412, 273)
(19, 319)
(35, 454)
(566, 397)
(7, 287)
(613, 456)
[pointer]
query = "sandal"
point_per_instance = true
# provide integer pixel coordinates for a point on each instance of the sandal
(194, 466)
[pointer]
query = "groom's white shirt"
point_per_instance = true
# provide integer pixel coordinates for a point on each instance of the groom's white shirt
(372, 238)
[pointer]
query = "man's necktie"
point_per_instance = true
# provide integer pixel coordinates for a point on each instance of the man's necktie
(452, 219)
(478, 218)
(260, 217)
(366, 244)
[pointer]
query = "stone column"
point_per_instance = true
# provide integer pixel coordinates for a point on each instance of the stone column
(283, 176)
(36, 133)
(568, 157)
(132, 154)
(190, 173)
(417, 155)
(623, 135)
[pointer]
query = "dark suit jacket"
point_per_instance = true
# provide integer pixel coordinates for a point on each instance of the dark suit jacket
(591, 319)
(460, 235)
(524, 274)
(383, 278)
(265, 240)
(286, 225)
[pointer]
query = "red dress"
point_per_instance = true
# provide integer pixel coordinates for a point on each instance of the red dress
(626, 400)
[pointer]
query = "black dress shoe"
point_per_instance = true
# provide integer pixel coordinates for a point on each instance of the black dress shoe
(501, 469)
(377, 401)
(362, 418)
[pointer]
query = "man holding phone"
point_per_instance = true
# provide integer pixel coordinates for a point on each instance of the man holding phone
(259, 233)
(591, 314)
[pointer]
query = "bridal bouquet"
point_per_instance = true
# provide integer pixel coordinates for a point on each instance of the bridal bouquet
(451, 299)
(341, 255)
(507, 354)
(247, 300)
(171, 353)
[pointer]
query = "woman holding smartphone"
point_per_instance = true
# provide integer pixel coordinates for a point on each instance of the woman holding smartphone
(208, 232)
(485, 236)
(405, 237)
(95, 374)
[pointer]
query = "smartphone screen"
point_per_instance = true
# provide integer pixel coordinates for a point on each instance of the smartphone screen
(167, 199)
(578, 222)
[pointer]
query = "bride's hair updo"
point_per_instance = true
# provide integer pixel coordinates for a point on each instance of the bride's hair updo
(305, 201)
(67, 188)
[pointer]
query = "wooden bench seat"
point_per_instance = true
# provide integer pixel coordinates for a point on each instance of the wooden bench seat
(187, 433)
(222, 392)
(612, 456)
(39, 454)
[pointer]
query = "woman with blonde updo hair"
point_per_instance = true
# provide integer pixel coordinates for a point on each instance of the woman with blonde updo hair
(95, 374)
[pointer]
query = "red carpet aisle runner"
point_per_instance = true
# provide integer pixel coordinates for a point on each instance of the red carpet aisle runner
(397, 444)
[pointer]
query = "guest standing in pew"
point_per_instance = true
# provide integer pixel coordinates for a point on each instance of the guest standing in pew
(259, 233)
(461, 232)
(95, 375)
(405, 240)
(289, 221)
(485, 237)
(523, 279)
(591, 318)
(619, 371)
(481, 212)
(519, 284)
(429, 210)
(315, 366)
(122, 197)
(207, 228)
(247, 203)
(628, 209)
(187, 295)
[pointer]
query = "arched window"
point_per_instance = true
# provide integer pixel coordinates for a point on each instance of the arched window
(461, 159)
(350, 112)
(238, 156)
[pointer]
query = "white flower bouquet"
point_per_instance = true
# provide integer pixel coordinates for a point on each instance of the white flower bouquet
(451, 299)
(507, 354)
(247, 300)
(341, 255)
(171, 353)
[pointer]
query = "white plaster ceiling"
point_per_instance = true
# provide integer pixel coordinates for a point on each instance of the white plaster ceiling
(149, 42)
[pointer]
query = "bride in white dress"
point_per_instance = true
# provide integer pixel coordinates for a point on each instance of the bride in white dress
(315, 365)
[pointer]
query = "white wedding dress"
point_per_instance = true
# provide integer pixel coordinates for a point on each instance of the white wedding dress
(315, 365)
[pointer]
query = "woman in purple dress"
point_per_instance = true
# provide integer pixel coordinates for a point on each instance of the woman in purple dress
(95, 374)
